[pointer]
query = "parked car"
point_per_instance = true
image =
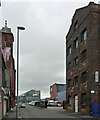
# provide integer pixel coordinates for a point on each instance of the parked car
(51, 103)
(23, 105)
(59, 104)
(32, 103)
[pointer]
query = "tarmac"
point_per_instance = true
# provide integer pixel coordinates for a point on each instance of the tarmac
(12, 115)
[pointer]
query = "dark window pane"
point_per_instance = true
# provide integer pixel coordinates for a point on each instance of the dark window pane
(69, 99)
(69, 50)
(69, 66)
(69, 83)
(83, 56)
(76, 26)
(75, 43)
(76, 80)
(76, 62)
(84, 77)
(83, 98)
(84, 35)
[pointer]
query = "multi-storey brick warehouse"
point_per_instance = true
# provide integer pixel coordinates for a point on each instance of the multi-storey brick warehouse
(83, 60)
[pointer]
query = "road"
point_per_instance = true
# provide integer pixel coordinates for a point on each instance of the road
(50, 112)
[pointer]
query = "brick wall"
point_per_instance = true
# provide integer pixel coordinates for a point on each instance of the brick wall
(53, 91)
(88, 17)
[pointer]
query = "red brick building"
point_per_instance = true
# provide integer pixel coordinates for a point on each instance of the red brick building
(83, 60)
(7, 44)
(55, 89)
(8, 75)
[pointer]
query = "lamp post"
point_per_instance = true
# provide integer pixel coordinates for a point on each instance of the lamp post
(17, 107)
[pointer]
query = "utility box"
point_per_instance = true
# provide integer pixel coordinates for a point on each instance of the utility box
(96, 109)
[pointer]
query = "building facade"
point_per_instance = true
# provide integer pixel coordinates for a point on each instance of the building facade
(32, 95)
(83, 60)
(57, 92)
(7, 50)
(2, 83)
(7, 88)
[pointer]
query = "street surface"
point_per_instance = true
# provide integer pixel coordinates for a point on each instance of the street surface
(50, 112)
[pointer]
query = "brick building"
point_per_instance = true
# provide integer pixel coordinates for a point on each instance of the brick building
(57, 92)
(7, 80)
(83, 60)
(2, 81)
(7, 49)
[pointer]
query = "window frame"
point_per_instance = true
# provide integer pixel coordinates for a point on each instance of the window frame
(75, 61)
(76, 83)
(84, 77)
(69, 50)
(69, 83)
(69, 99)
(84, 35)
(69, 66)
(75, 43)
(83, 55)
(76, 25)
(83, 98)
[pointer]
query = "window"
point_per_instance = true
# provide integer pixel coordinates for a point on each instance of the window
(83, 98)
(69, 83)
(83, 56)
(84, 35)
(76, 80)
(51, 89)
(69, 99)
(76, 62)
(75, 43)
(76, 26)
(69, 66)
(69, 50)
(84, 77)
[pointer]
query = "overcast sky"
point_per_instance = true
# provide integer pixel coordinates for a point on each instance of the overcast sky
(42, 44)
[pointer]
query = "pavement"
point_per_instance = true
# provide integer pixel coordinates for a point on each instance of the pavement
(11, 114)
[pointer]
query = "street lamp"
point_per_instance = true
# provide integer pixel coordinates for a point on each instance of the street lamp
(17, 107)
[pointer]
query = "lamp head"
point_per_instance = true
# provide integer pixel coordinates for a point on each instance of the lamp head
(21, 28)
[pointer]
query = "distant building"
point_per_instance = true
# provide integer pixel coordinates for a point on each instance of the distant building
(32, 95)
(58, 92)
(83, 61)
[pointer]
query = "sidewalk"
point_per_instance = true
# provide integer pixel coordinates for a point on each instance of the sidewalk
(11, 114)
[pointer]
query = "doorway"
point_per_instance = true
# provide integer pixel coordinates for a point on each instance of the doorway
(76, 103)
